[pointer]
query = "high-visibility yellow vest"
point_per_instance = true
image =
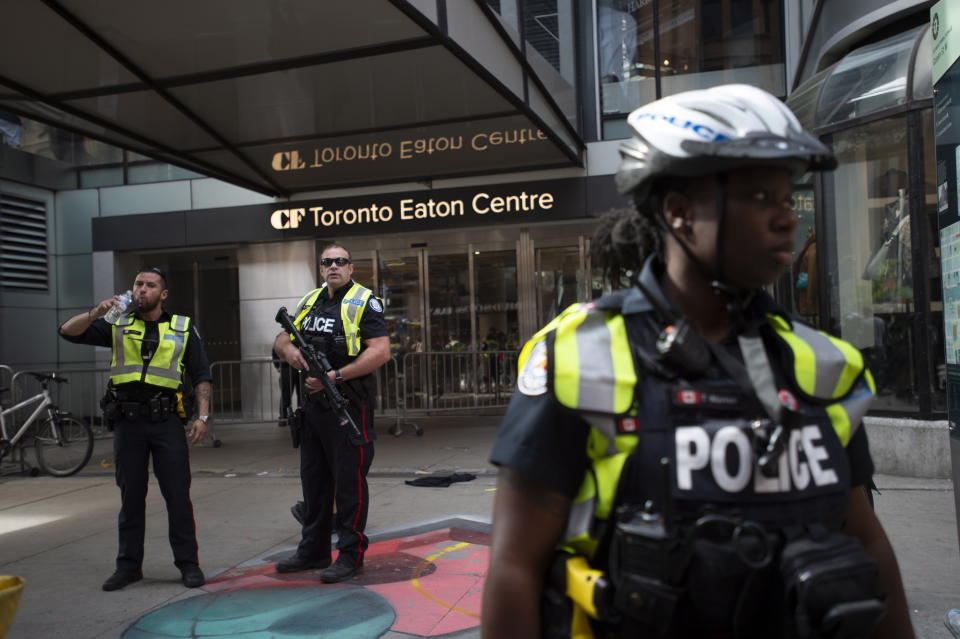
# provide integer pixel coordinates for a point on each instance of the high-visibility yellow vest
(165, 368)
(589, 354)
(351, 312)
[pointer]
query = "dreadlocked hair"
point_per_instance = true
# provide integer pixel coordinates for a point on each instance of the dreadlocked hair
(625, 238)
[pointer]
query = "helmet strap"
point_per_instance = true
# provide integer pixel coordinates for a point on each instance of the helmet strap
(708, 274)
(737, 299)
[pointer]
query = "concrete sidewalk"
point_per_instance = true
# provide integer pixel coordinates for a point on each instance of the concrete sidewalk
(60, 534)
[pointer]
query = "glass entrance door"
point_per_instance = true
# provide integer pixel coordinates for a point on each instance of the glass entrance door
(400, 286)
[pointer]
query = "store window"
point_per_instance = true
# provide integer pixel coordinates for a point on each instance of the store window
(869, 261)
(699, 43)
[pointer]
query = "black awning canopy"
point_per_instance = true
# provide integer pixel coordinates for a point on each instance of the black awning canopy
(284, 96)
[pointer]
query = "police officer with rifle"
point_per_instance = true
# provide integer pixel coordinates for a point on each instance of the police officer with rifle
(682, 457)
(342, 322)
(318, 367)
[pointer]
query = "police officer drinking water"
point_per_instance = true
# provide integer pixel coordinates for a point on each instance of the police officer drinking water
(683, 458)
(344, 321)
(152, 349)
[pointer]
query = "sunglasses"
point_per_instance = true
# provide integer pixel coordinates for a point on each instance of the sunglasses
(339, 261)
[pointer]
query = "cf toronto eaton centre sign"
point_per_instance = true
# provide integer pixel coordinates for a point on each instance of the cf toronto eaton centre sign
(412, 209)
(521, 202)
(403, 149)
(462, 148)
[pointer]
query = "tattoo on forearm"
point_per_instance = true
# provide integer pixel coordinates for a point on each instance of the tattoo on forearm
(203, 391)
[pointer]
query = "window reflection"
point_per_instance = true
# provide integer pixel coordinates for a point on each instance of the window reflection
(870, 79)
(702, 43)
(496, 289)
(399, 288)
(803, 280)
(557, 280)
(449, 302)
(870, 262)
(54, 143)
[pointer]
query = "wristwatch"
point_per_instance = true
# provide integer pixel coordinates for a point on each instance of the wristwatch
(203, 418)
(338, 375)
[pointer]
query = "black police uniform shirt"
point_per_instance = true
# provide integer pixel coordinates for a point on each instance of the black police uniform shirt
(546, 442)
(195, 363)
(323, 325)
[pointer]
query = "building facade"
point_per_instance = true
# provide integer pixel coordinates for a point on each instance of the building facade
(461, 150)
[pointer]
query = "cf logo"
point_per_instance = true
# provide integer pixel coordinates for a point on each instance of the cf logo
(287, 161)
(287, 218)
(935, 27)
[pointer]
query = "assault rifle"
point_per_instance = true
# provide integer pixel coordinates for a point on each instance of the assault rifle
(318, 366)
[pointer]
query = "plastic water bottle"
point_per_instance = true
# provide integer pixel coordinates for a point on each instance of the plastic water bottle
(119, 307)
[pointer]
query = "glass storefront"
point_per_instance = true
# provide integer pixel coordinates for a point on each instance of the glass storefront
(647, 50)
(459, 311)
(870, 263)
(873, 278)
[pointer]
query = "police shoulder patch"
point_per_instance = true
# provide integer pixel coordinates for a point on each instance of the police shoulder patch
(532, 379)
(376, 305)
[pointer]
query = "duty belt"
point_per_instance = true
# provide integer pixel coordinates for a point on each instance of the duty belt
(155, 409)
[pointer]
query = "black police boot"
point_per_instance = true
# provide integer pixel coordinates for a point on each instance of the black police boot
(121, 579)
(192, 576)
(345, 567)
(296, 563)
(297, 510)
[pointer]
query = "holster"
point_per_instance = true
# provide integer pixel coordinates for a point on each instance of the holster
(575, 595)
(295, 425)
(110, 407)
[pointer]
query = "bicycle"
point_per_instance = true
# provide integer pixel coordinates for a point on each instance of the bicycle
(63, 443)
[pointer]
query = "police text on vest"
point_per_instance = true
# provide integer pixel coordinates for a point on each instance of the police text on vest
(697, 454)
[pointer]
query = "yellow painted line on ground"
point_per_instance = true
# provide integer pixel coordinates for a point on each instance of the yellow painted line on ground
(415, 582)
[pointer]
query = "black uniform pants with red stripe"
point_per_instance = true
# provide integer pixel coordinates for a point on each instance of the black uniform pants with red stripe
(333, 468)
(134, 443)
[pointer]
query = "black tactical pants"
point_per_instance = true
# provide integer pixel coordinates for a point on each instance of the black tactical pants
(135, 441)
(334, 469)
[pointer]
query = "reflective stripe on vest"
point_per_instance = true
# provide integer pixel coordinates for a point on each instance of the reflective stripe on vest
(165, 367)
(351, 312)
(825, 367)
(593, 362)
(608, 452)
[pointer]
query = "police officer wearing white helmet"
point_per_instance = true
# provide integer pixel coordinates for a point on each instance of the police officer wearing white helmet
(682, 457)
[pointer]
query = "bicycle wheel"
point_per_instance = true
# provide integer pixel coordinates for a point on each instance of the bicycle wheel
(63, 451)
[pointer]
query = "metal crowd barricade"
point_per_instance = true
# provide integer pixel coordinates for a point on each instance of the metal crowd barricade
(245, 391)
(6, 382)
(442, 381)
(80, 396)
(250, 391)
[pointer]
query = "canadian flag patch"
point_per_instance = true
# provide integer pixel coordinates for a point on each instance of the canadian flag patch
(629, 425)
(689, 397)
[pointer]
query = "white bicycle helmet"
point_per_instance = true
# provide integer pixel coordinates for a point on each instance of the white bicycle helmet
(714, 130)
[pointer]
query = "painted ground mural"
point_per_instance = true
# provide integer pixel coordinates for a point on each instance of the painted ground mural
(427, 584)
